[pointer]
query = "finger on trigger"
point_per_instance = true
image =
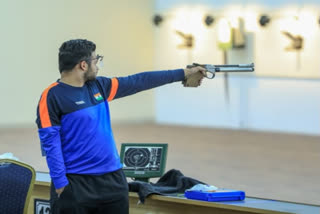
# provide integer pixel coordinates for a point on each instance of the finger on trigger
(204, 73)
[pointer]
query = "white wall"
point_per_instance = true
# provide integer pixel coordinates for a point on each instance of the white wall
(32, 31)
(165, 5)
(281, 96)
(280, 105)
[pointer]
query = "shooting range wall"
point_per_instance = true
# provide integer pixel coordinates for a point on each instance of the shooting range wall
(282, 95)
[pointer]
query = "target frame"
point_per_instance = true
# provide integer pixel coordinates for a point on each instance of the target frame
(147, 170)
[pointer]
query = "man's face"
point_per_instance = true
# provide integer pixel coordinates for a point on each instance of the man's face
(92, 71)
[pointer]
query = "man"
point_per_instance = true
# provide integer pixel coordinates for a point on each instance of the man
(75, 130)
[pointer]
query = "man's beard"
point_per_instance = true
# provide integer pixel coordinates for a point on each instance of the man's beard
(89, 75)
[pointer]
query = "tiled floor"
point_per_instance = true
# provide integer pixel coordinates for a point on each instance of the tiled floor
(267, 165)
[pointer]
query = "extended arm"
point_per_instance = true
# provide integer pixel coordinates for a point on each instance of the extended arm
(124, 86)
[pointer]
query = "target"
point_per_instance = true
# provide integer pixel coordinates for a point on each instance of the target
(143, 160)
(138, 158)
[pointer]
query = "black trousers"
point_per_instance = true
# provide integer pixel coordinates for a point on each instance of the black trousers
(92, 194)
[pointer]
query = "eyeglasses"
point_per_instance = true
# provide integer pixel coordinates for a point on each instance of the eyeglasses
(99, 58)
(99, 62)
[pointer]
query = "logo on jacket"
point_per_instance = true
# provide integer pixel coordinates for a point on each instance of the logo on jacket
(80, 102)
(98, 96)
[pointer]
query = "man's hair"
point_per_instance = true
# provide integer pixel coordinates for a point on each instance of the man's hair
(74, 51)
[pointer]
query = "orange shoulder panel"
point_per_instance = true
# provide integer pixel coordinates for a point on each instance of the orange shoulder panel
(43, 107)
(114, 89)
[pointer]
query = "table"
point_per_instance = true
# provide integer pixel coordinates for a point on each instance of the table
(179, 204)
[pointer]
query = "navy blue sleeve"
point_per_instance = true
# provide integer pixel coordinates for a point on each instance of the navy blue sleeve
(147, 80)
(48, 113)
(51, 143)
(48, 121)
(124, 86)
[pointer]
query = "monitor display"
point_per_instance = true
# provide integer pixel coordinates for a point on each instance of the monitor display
(145, 160)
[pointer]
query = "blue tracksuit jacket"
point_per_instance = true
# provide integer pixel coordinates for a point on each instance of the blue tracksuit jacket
(74, 122)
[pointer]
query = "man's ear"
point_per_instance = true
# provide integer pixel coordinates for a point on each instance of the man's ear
(83, 65)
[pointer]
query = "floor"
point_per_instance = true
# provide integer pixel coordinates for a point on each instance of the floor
(266, 165)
